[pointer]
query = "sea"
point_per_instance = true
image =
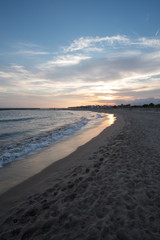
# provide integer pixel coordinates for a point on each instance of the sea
(25, 132)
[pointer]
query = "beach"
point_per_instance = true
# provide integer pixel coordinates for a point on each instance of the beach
(107, 189)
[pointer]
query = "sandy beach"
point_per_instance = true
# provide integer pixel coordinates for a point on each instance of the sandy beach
(108, 188)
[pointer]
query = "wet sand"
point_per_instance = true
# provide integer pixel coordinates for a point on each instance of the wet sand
(20, 170)
(107, 189)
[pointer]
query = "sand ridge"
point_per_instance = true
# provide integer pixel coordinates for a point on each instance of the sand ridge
(114, 194)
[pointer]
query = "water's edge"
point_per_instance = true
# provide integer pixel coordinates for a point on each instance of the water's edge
(18, 171)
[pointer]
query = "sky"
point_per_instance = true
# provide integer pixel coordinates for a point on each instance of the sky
(63, 53)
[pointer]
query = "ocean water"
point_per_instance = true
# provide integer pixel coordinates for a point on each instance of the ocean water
(24, 132)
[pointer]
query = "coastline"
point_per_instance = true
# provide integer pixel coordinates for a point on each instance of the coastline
(18, 171)
(59, 168)
(106, 189)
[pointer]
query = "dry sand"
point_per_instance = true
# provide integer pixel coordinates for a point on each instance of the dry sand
(108, 189)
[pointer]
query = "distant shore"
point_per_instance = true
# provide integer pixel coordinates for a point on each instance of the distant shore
(144, 107)
(107, 189)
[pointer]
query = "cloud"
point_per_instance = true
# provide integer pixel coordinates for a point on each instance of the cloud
(30, 52)
(90, 68)
(29, 49)
(122, 68)
(157, 32)
(27, 44)
(86, 43)
(19, 69)
(65, 60)
(15, 78)
(4, 75)
(97, 44)
(151, 42)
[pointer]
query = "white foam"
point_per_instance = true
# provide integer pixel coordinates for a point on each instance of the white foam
(35, 143)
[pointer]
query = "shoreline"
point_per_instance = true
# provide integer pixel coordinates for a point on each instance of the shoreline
(106, 189)
(18, 171)
(58, 167)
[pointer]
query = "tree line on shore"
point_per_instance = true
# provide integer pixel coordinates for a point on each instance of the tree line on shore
(150, 105)
(129, 106)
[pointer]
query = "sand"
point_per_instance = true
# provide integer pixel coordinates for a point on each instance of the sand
(107, 189)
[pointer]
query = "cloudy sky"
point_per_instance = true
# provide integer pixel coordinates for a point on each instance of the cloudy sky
(61, 53)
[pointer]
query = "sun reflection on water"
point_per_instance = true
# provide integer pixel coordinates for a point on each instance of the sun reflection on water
(111, 118)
